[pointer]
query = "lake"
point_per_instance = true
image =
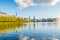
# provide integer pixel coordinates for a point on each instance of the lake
(32, 31)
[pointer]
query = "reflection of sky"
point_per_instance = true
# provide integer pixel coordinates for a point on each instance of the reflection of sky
(41, 30)
(37, 30)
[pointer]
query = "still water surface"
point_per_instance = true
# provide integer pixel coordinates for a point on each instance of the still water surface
(34, 31)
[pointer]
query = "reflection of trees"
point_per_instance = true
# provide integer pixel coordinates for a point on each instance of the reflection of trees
(43, 24)
(32, 24)
(9, 26)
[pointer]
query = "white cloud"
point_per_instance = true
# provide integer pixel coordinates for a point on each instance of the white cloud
(48, 2)
(26, 3)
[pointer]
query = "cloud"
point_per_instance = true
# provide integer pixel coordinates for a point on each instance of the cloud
(48, 2)
(27, 3)
(24, 3)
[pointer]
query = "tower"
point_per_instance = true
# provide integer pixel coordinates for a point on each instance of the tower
(34, 18)
(29, 17)
(16, 13)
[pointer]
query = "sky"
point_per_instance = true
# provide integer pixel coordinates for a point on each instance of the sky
(26, 8)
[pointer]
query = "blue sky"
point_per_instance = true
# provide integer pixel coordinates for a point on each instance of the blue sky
(11, 7)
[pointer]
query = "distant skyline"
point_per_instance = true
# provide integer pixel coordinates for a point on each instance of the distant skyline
(26, 8)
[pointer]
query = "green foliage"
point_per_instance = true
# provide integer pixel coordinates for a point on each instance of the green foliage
(13, 19)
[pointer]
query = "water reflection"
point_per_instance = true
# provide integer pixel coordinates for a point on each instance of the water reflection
(42, 31)
(30, 31)
(34, 24)
(10, 26)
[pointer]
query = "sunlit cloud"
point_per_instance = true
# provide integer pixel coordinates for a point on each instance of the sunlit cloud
(27, 3)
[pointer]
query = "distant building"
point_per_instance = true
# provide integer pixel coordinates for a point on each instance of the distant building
(50, 20)
(43, 20)
(1, 13)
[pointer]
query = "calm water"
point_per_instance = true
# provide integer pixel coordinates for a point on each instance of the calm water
(34, 31)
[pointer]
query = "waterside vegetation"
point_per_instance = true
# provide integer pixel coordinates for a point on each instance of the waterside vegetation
(11, 22)
(12, 18)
